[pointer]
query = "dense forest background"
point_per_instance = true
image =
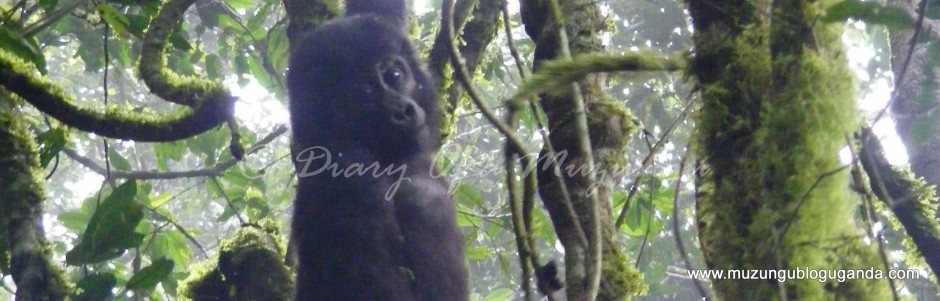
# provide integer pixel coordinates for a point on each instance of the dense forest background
(144, 153)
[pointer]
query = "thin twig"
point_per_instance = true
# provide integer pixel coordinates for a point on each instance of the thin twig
(215, 170)
(675, 224)
(228, 201)
(520, 64)
(660, 144)
(907, 62)
(870, 211)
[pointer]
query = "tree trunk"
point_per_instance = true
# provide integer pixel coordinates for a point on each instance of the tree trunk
(21, 197)
(609, 126)
(777, 106)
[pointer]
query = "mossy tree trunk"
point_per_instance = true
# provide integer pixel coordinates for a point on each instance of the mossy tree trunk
(777, 106)
(22, 236)
(609, 126)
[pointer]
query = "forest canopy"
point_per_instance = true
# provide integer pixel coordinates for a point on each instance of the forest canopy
(595, 150)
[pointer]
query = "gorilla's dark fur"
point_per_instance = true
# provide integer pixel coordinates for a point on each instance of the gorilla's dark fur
(370, 219)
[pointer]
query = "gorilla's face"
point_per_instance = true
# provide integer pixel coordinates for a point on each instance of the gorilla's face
(375, 94)
(393, 83)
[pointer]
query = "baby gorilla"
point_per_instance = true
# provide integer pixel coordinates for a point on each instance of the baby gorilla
(370, 220)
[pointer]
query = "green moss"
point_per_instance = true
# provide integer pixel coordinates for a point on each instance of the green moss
(204, 281)
(620, 278)
(924, 207)
(250, 266)
(448, 110)
(21, 179)
(611, 126)
(115, 121)
(555, 76)
(770, 132)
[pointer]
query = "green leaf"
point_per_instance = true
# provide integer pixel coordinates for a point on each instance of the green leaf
(664, 198)
(278, 48)
(172, 243)
(160, 200)
(50, 143)
(208, 144)
(870, 12)
(467, 220)
(110, 231)
(240, 4)
(25, 48)
(214, 67)
(168, 151)
(478, 253)
(542, 226)
(470, 196)
(178, 40)
(257, 70)
(501, 294)
(117, 20)
(147, 278)
(96, 287)
(225, 21)
(637, 218)
(118, 162)
(137, 24)
(48, 5)
(73, 220)
(256, 23)
(241, 63)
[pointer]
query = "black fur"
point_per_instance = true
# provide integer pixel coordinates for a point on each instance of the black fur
(384, 227)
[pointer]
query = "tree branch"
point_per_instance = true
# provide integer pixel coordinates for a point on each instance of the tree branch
(911, 200)
(210, 103)
(213, 171)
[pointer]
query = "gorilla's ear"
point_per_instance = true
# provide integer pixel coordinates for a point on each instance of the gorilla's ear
(394, 11)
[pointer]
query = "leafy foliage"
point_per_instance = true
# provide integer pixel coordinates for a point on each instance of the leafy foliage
(871, 12)
(111, 229)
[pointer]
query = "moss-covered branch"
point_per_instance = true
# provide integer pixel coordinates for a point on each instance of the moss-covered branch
(250, 266)
(553, 75)
(209, 103)
(476, 34)
(190, 91)
(911, 200)
(21, 78)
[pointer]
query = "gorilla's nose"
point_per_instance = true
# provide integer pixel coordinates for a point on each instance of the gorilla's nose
(404, 113)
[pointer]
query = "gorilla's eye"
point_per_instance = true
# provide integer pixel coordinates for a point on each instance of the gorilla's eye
(394, 74)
